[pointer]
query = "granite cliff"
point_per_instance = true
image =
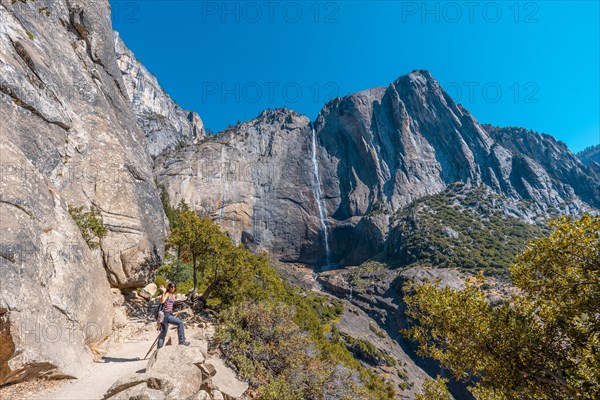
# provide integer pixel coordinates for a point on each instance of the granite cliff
(68, 137)
(376, 151)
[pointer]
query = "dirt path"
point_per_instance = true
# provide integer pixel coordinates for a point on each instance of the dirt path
(121, 359)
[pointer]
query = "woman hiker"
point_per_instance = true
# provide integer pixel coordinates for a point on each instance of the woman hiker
(168, 298)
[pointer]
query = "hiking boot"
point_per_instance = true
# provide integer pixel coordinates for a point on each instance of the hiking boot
(184, 343)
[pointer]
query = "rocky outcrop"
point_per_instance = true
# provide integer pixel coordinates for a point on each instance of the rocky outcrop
(389, 146)
(376, 151)
(165, 124)
(178, 372)
(591, 157)
(550, 174)
(48, 320)
(68, 137)
(173, 371)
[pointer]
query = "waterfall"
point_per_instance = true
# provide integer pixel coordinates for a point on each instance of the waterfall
(317, 189)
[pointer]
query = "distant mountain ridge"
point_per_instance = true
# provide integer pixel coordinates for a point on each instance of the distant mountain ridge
(164, 122)
(376, 151)
(591, 157)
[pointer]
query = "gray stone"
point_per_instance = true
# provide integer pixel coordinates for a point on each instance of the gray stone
(225, 380)
(201, 395)
(171, 370)
(139, 392)
(120, 319)
(217, 395)
(208, 370)
(118, 298)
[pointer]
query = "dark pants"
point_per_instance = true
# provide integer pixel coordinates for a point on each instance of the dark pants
(164, 327)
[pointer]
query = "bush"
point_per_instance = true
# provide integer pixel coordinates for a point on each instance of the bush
(434, 389)
(285, 362)
(543, 343)
(90, 225)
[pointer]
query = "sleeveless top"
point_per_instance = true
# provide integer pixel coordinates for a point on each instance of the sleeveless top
(169, 304)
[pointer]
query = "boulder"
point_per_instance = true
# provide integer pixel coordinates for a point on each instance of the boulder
(201, 395)
(217, 395)
(179, 297)
(120, 319)
(171, 370)
(141, 391)
(117, 296)
(208, 370)
(148, 291)
(225, 379)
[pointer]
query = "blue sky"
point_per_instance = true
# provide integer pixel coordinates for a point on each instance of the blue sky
(533, 64)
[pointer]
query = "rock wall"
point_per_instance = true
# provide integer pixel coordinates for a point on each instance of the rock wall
(591, 157)
(68, 137)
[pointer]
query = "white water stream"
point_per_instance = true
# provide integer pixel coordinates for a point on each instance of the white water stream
(317, 189)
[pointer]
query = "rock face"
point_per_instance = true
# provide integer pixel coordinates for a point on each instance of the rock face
(165, 124)
(68, 137)
(549, 173)
(47, 316)
(390, 146)
(255, 179)
(375, 152)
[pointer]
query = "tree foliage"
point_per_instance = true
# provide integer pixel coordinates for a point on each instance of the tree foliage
(90, 224)
(542, 343)
(271, 331)
(461, 227)
(229, 273)
(434, 389)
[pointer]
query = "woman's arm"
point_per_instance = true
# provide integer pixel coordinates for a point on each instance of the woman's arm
(164, 296)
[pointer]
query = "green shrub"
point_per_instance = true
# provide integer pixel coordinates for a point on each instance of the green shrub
(367, 351)
(90, 225)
